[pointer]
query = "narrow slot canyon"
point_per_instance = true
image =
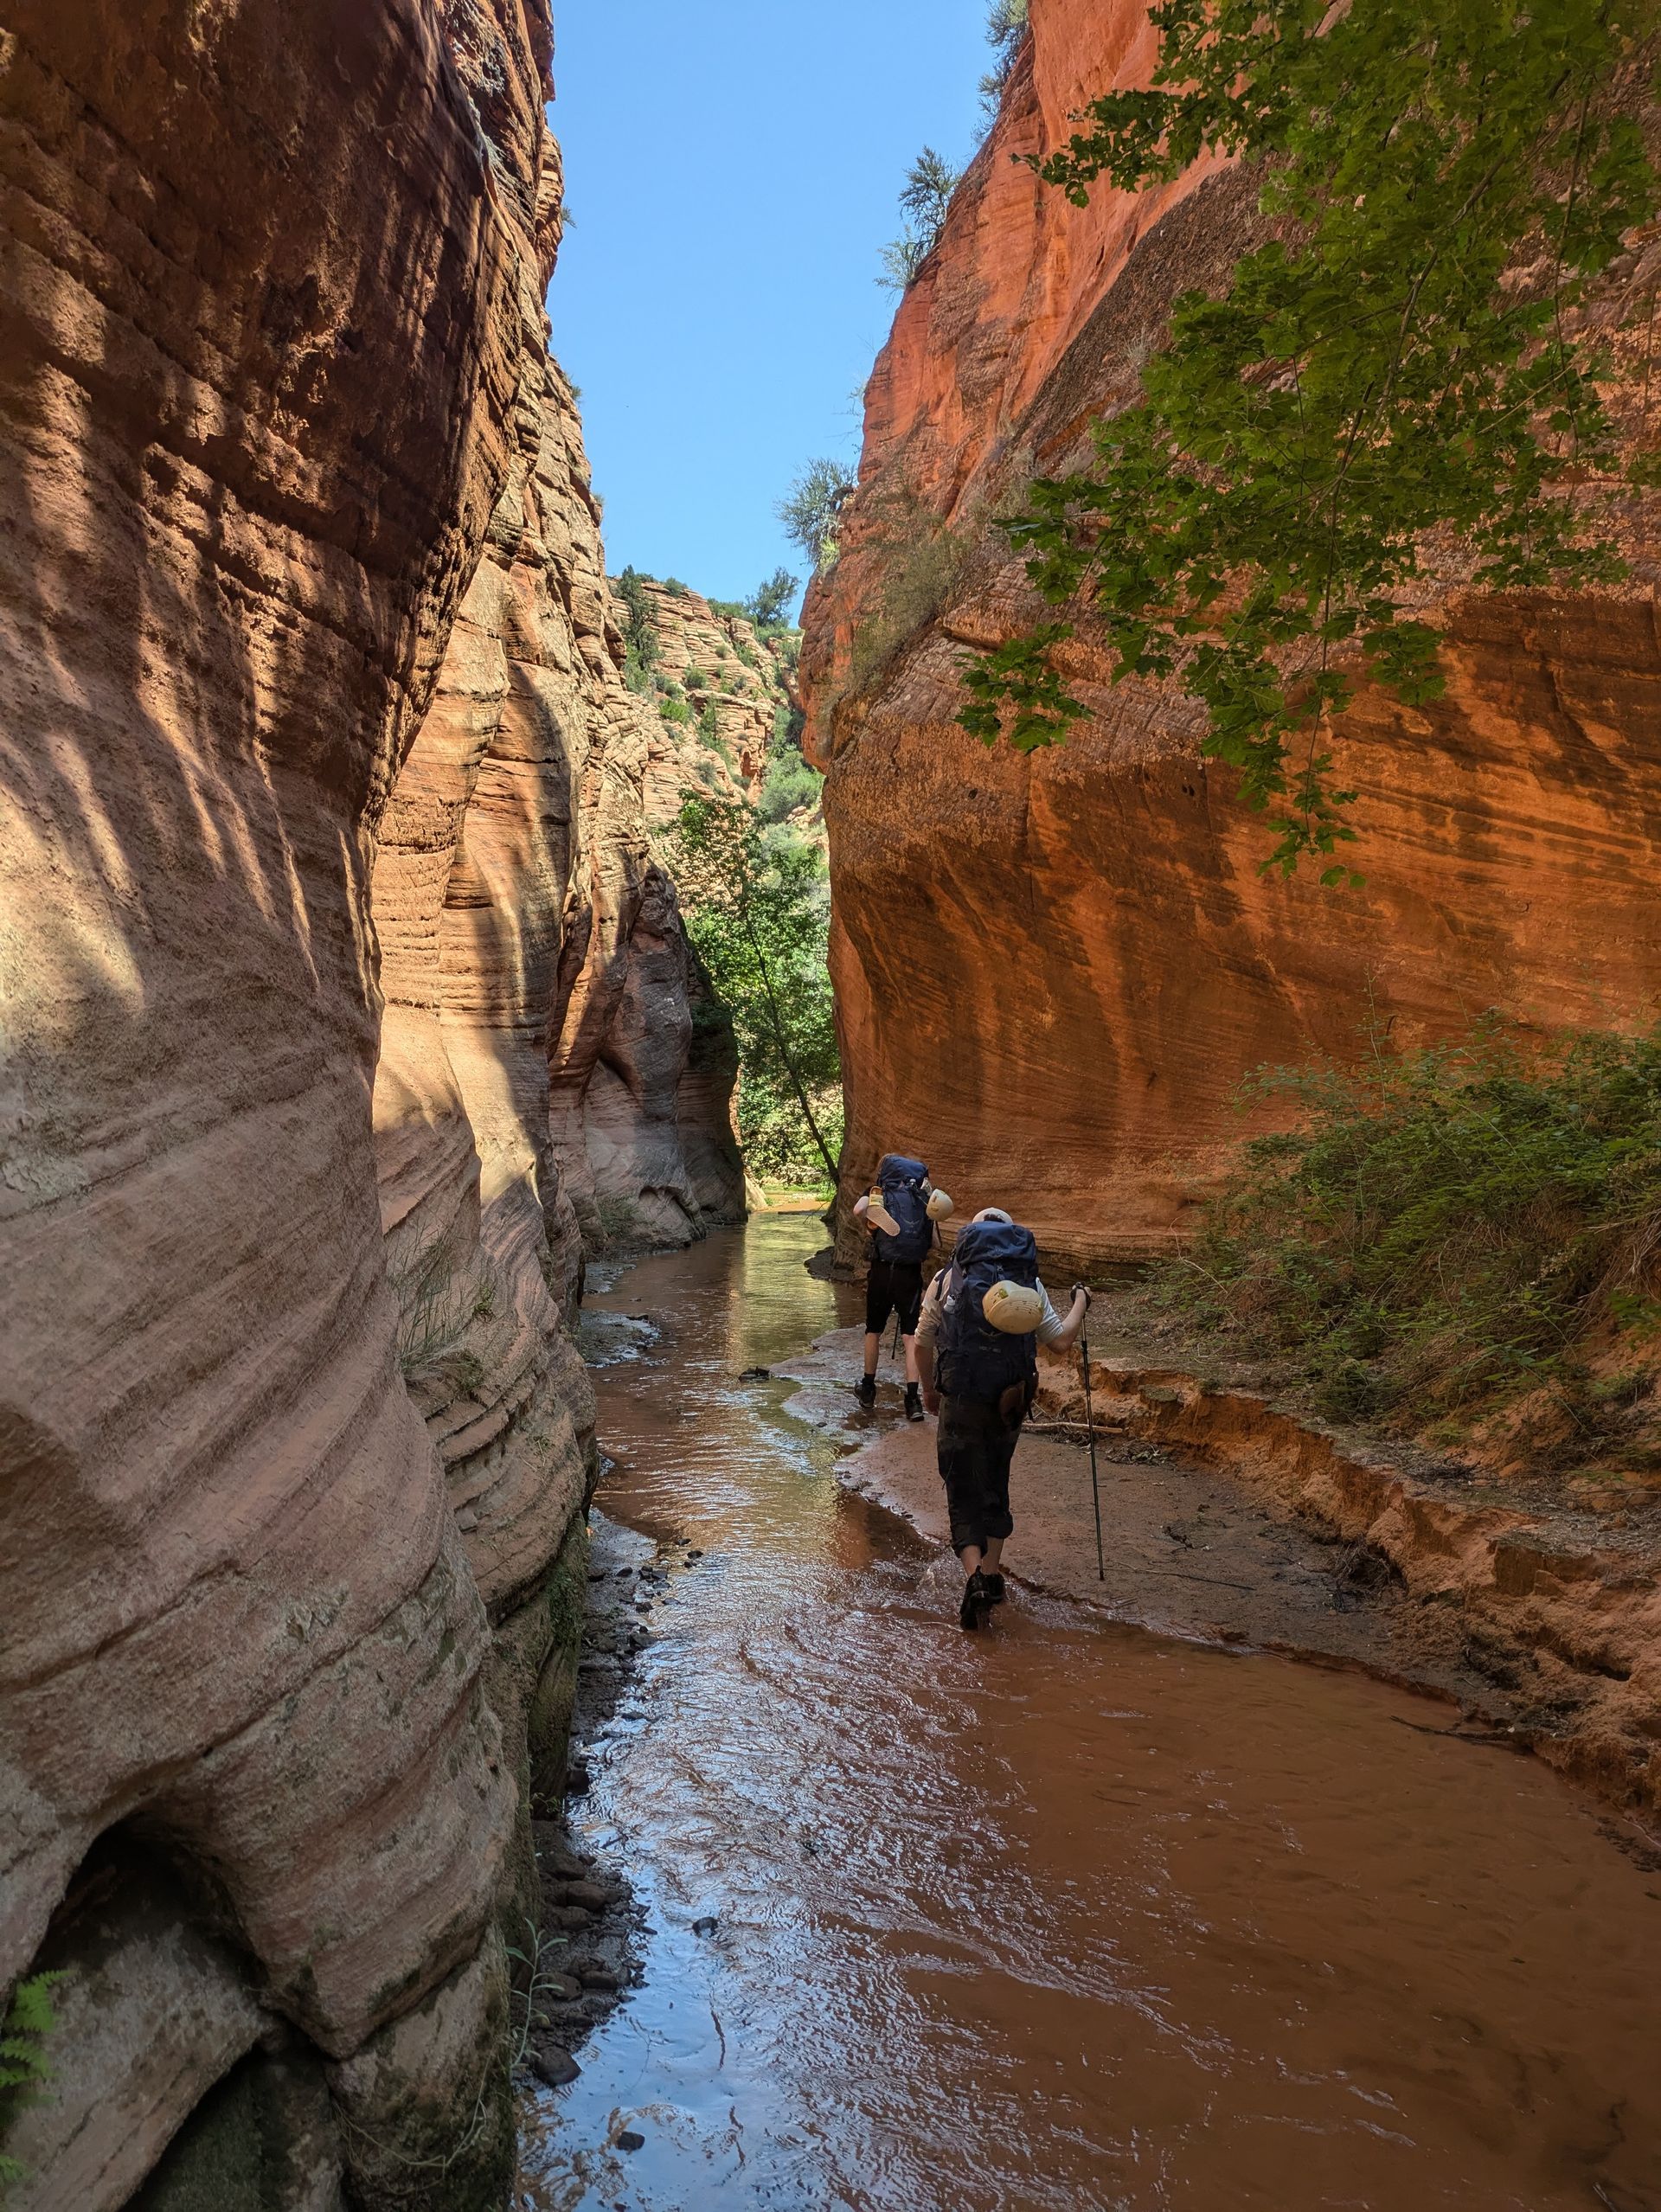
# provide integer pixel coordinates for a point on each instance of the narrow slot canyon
(509, 1696)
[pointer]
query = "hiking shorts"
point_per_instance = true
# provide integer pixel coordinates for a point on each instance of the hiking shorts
(974, 1444)
(894, 1286)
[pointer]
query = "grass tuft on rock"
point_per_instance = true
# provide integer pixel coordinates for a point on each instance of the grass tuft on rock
(1447, 1232)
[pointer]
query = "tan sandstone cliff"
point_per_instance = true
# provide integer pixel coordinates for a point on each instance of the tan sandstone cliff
(1053, 973)
(733, 677)
(310, 693)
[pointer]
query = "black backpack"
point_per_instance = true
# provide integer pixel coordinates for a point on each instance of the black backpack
(975, 1360)
(903, 1183)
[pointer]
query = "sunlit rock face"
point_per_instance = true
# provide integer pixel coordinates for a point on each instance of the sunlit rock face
(302, 594)
(1054, 972)
(740, 686)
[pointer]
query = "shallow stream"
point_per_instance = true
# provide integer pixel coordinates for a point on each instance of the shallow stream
(1067, 1915)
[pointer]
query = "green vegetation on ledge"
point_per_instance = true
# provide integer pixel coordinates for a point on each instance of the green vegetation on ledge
(1451, 1235)
(757, 907)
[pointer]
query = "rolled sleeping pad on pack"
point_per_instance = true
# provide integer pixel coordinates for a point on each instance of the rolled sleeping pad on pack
(1014, 1308)
(938, 1205)
(879, 1217)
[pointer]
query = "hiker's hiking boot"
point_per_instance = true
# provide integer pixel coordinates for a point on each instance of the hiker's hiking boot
(994, 1588)
(977, 1601)
(913, 1402)
(865, 1391)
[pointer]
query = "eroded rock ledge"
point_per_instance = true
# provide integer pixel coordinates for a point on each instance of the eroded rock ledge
(312, 707)
(1555, 1613)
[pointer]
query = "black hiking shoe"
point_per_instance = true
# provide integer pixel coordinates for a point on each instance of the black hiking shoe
(913, 1402)
(994, 1588)
(976, 1601)
(865, 1391)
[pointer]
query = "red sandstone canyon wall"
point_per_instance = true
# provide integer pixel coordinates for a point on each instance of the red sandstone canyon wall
(1054, 972)
(312, 708)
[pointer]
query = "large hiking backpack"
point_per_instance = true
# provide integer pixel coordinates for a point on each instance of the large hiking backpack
(976, 1360)
(903, 1184)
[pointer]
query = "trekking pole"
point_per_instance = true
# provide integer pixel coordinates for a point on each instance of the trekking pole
(1090, 1423)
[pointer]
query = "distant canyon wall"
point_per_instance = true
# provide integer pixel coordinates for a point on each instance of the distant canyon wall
(1053, 971)
(327, 891)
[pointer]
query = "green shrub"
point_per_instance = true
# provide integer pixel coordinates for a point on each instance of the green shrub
(811, 510)
(768, 606)
(923, 560)
(1445, 1230)
(24, 2067)
(676, 588)
(639, 626)
(790, 783)
(675, 710)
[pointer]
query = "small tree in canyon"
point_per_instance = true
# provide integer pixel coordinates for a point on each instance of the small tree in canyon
(924, 199)
(811, 509)
(768, 606)
(1006, 26)
(1399, 375)
(758, 911)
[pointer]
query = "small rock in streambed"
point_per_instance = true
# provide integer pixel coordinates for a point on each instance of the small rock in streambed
(553, 2066)
(578, 1781)
(695, 1552)
(572, 1918)
(756, 1375)
(630, 2139)
(598, 1978)
(706, 1925)
(589, 1894)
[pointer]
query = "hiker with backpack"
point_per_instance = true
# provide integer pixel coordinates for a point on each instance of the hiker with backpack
(899, 1215)
(977, 1336)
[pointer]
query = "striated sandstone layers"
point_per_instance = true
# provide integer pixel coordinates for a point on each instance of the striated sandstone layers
(721, 662)
(1053, 973)
(284, 1564)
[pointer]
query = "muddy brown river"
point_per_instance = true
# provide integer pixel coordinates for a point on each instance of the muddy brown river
(1065, 1916)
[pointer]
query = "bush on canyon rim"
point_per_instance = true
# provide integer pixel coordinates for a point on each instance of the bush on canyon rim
(1446, 1230)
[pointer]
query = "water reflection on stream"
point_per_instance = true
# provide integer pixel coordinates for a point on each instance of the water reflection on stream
(1067, 1916)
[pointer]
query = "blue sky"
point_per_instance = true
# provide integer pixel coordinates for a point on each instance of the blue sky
(732, 170)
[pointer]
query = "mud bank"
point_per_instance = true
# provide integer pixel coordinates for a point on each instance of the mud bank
(1226, 1516)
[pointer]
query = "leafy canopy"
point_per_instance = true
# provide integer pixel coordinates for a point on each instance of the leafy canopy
(758, 911)
(1448, 176)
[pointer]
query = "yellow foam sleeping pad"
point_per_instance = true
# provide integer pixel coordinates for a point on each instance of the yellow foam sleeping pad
(1014, 1308)
(879, 1217)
